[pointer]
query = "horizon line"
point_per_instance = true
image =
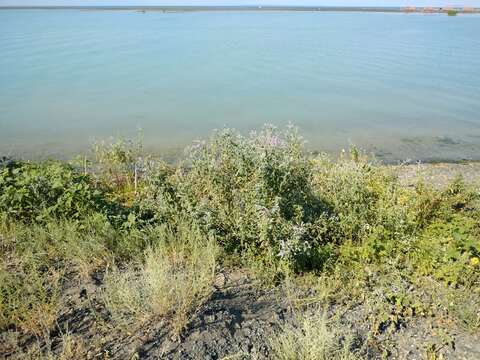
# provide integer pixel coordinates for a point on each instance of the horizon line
(252, 6)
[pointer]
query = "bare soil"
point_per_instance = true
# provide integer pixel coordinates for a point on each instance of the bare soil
(235, 323)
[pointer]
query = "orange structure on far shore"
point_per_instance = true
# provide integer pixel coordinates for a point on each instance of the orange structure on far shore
(445, 9)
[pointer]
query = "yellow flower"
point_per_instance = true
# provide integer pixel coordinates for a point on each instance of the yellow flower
(402, 199)
(475, 261)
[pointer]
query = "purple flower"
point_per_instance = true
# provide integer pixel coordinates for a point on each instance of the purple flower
(270, 141)
(274, 141)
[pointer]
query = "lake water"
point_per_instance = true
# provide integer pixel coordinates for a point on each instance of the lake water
(402, 86)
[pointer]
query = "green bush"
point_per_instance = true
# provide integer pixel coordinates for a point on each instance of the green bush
(263, 195)
(259, 195)
(363, 198)
(253, 193)
(36, 192)
(118, 166)
(447, 251)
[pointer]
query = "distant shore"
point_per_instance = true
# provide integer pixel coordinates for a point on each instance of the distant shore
(250, 8)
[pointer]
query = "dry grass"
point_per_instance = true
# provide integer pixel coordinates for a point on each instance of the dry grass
(29, 297)
(313, 337)
(175, 278)
(68, 347)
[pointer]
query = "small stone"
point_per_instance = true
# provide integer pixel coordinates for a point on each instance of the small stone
(83, 293)
(220, 280)
(209, 318)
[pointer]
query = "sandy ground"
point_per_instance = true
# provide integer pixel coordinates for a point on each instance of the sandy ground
(441, 174)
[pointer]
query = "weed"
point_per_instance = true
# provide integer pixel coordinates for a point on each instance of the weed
(36, 192)
(313, 337)
(175, 278)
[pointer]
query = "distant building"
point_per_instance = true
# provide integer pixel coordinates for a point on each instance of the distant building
(428, 9)
(410, 9)
(468, 9)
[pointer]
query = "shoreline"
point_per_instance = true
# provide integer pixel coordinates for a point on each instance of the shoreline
(169, 9)
(174, 154)
(438, 175)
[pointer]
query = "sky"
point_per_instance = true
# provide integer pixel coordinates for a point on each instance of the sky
(475, 3)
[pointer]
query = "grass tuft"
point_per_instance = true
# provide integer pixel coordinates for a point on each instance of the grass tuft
(175, 278)
(312, 337)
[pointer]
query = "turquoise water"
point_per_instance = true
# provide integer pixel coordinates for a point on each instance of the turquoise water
(402, 86)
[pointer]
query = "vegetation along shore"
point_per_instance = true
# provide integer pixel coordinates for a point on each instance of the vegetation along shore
(247, 248)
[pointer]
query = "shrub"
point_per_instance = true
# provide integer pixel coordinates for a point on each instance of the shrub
(445, 251)
(264, 195)
(363, 198)
(118, 166)
(36, 192)
(253, 193)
